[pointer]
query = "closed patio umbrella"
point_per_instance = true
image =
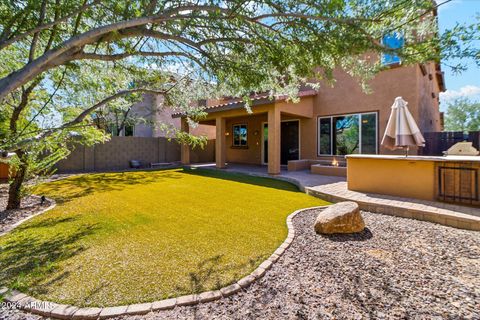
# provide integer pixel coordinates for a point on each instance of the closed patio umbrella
(402, 130)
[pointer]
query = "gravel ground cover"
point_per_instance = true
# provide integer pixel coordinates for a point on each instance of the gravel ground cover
(30, 205)
(396, 269)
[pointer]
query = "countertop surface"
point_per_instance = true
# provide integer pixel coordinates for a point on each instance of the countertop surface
(414, 157)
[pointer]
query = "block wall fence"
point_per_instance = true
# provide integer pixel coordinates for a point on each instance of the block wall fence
(116, 154)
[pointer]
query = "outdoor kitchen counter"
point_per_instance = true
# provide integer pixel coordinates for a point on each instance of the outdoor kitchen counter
(415, 158)
(451, 178)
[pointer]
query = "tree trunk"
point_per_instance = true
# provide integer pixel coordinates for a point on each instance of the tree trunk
(15, 188)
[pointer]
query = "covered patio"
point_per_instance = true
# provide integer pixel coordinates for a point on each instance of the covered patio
(268, 135)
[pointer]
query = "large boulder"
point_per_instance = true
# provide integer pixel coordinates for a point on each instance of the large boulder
(342, 217)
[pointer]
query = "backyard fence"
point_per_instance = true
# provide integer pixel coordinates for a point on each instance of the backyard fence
(117, 153)
(437, 142)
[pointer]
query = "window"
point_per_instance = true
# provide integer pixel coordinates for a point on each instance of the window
(240, 135)
(347, 134)
(325, 128)
(129, 130)
(392, 41)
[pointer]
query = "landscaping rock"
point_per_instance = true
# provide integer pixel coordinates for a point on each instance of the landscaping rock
(342, 217)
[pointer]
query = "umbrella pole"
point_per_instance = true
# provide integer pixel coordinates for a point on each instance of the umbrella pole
(406, 151)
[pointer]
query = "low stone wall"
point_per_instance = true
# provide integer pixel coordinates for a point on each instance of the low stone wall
(116, 154)
(328, 170)
(304, 164)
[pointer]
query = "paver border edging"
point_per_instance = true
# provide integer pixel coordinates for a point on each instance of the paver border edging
(63, 311)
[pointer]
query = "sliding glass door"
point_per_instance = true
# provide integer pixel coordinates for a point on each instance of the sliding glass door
(347, 134)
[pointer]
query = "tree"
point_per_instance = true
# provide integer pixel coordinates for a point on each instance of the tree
(64, 59)
(462, 115)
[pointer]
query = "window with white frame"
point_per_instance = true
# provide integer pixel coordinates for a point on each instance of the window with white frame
(239, 135)
(348, 134)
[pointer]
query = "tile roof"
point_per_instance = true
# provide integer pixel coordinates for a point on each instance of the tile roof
(257, 100)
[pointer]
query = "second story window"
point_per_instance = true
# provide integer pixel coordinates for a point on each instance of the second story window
(393, 41)
(240, 135)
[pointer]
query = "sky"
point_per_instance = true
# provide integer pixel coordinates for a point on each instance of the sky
(467, 84)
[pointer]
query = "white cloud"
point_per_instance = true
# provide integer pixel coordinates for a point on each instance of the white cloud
(468, 91)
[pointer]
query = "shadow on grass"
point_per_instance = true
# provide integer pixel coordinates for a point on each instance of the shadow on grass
(79, 186)
(364, 235)
(243, 178)
(210, 271)
(28, 259)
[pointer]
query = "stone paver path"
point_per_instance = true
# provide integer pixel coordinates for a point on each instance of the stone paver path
(438, 212)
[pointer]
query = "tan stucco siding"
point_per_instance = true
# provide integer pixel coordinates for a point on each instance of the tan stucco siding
(402, 178)
(347, 97)
(252, 153)
(428, 100)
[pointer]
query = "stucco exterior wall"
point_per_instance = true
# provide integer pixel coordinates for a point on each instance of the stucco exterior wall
(146, 109)
(402, 178)
(345, 97)
(252, 153)
(428, 116)
(153, 110)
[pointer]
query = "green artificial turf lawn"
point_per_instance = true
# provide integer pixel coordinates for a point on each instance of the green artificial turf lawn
(122, 238)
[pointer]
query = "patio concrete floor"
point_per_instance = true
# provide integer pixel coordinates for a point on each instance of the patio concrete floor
(300, 178)
(334, 189)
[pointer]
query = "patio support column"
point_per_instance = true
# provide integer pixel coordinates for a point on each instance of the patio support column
(274, 141)
(220, 143)
(185, 148)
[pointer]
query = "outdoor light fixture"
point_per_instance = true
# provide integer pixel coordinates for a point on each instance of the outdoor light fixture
(227, 133)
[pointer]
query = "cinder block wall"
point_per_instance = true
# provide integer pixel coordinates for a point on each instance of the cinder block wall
(116, 154)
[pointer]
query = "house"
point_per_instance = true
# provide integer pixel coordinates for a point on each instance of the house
(331, 122)
(144, 119)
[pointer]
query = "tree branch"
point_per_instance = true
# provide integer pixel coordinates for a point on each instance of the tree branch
(6, 43)
(33, 45)
(112, 57)
(48, 132)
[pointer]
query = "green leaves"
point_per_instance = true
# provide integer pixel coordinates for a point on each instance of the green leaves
(462, 115)
(194, 51)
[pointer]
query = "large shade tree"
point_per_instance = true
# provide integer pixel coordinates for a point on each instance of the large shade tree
(462, 114)
(61, 60)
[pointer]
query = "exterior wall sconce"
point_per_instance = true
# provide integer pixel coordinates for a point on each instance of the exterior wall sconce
(227, 133)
